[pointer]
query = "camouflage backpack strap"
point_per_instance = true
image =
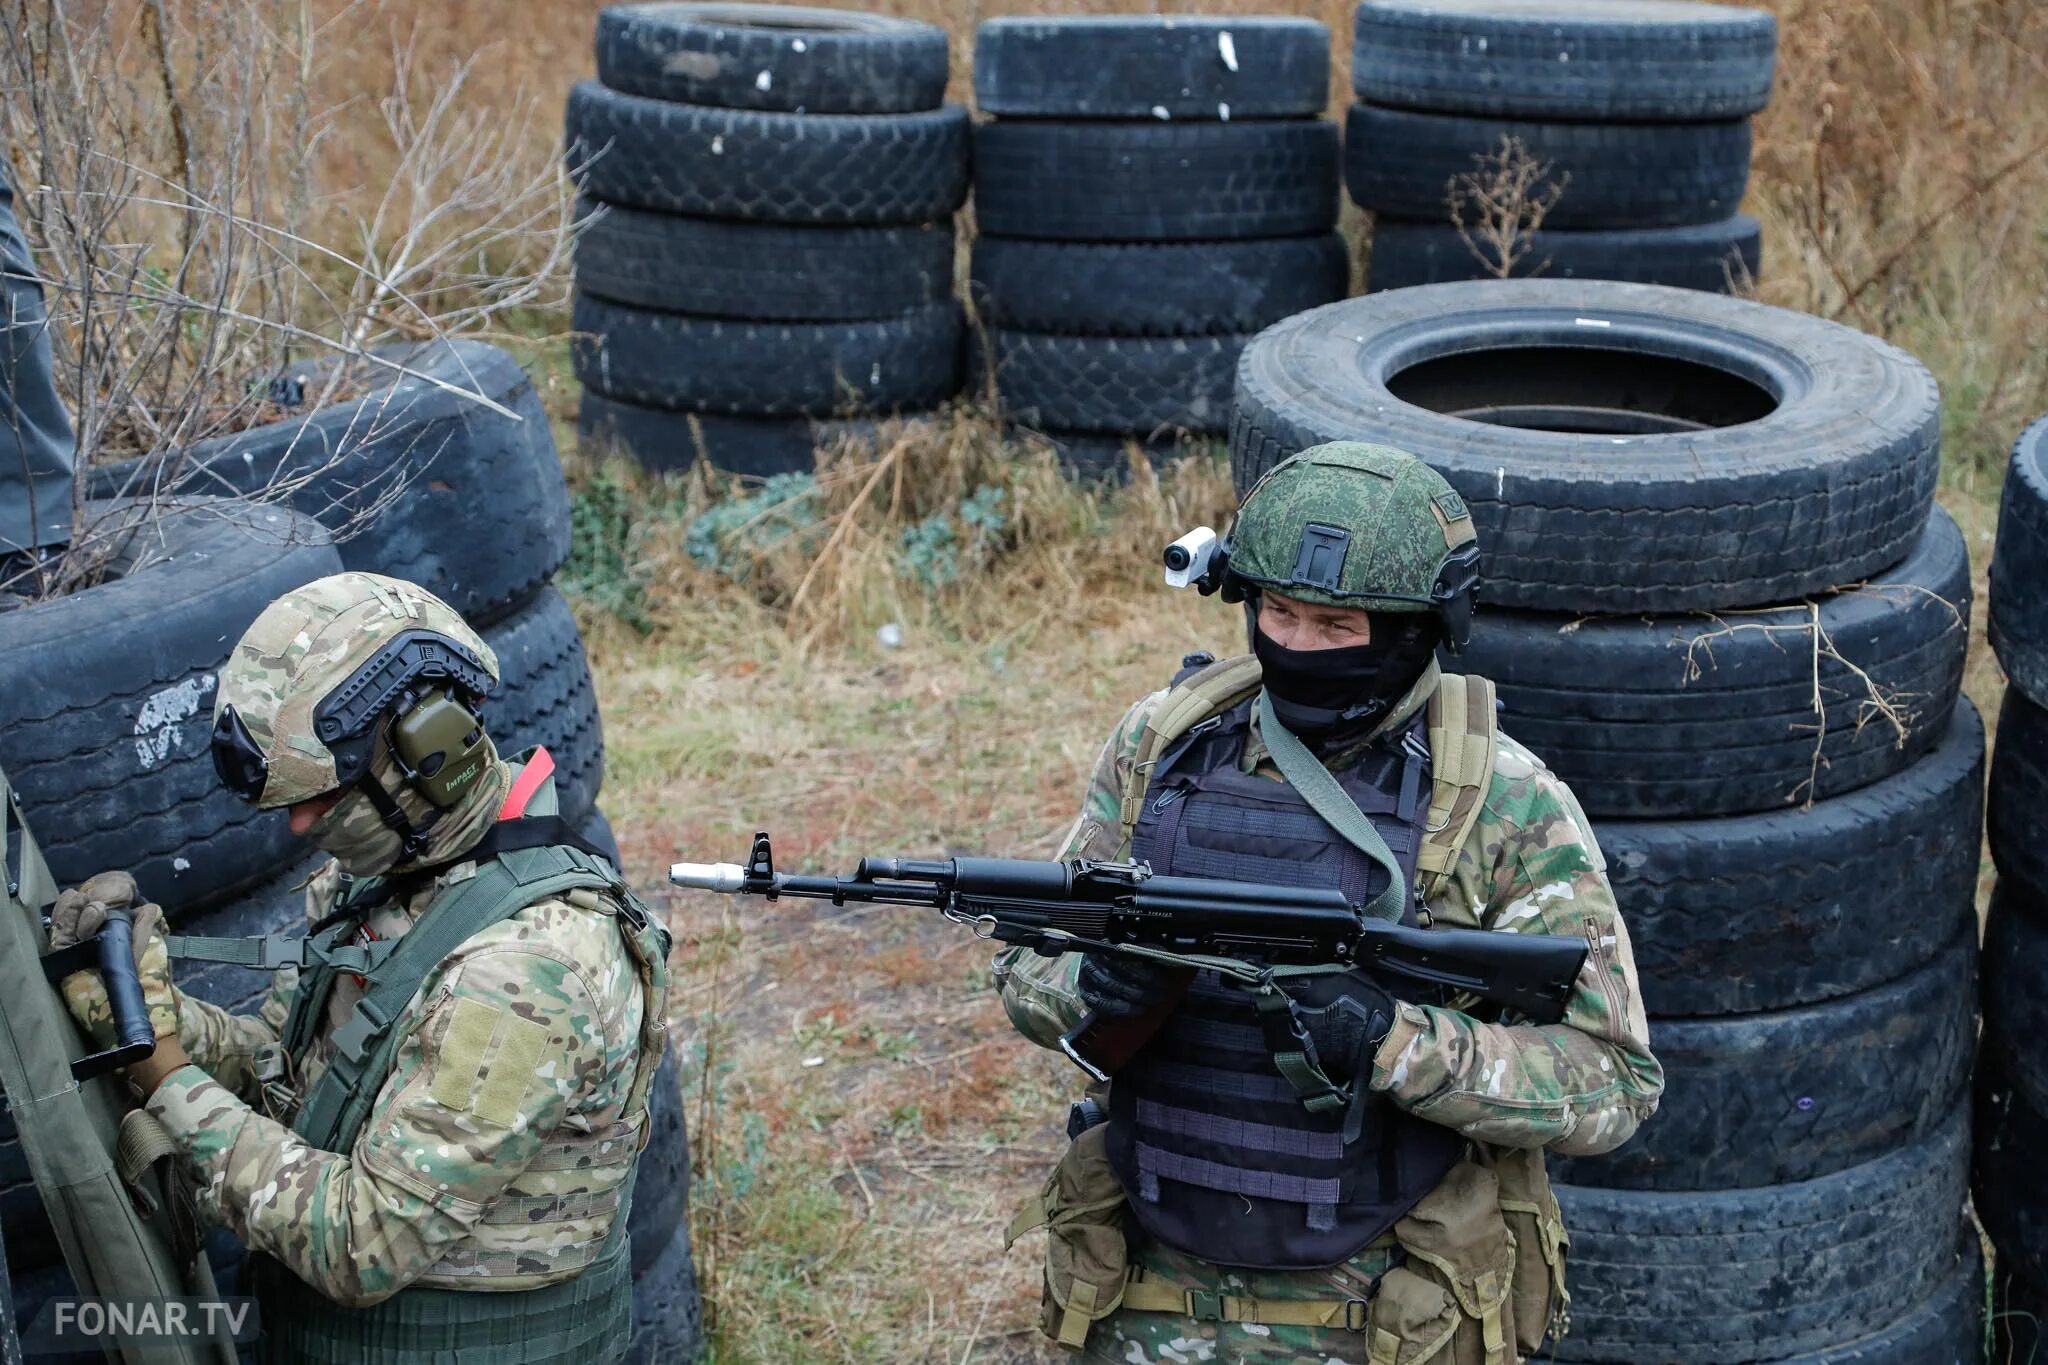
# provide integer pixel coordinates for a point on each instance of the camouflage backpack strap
(1463, 730)
(1208, 691)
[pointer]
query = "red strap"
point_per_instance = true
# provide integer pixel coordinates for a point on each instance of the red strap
(538, 769)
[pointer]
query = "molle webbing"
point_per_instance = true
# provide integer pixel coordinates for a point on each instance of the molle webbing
(1463, 732)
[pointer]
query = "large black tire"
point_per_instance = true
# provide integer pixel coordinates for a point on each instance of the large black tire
(1709, 1277)
(767, 167)
(1680, 717)
(106, 705)
(1115, 384)
(2019, 1323)
(1155, 288)
(2015, 1005)
(2019, 567)
(1763, 912)
(1605, 175)
(1179, 66)
(1722, 257)
(2010, 1177)
(761, 271)
(667, 441)
(2017, 811)
(1604, 60)
(661, 1190)
(1643, 449)
(1145, 182)
(545, 696)
(468, 473)
(10, 1344)
(768, 369)
(668, 1315)
(1946, 1328)
(780, 57)
(1771, 1099)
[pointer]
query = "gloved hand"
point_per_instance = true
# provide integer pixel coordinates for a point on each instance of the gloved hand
(77, 916)
(1349, 1030)
(1119, 987)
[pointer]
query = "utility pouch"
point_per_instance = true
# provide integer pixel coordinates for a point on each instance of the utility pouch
(1541, 1302)
(1450, 1302)
(1087, 1260)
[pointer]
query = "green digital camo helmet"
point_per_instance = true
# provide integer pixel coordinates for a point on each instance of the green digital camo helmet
(328, 669)
(1355, 525)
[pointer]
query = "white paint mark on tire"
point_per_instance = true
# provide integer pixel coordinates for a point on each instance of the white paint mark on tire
(157, 734)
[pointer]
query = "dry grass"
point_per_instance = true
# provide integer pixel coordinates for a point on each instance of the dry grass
(864, 1119)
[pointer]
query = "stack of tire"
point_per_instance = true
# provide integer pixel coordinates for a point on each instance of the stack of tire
(1639, 110)
(1151, 192)
(1670, 489)
(444, 473)
(768, 236)
(2012, 1091)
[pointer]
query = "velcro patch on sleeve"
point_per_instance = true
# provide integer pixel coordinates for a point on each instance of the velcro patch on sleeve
(488, 1059)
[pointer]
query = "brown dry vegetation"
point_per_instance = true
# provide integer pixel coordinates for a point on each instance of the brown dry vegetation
(864, 1120)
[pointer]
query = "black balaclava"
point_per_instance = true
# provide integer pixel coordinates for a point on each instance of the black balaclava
(1329, 697)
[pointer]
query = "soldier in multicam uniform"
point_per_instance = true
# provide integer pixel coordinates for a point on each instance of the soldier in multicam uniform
(1360, 1179)
(445, 1090)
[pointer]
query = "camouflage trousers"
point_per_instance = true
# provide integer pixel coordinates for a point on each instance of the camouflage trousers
(1134, 1338)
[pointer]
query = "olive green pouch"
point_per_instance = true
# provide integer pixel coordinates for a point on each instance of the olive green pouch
(1087, 1261)
(1541, 1302)
(1449, 1304)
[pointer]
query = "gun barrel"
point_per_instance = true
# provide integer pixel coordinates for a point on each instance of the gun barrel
(725, 877)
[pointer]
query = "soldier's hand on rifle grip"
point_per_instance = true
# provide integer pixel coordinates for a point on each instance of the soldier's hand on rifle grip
(1118, 987)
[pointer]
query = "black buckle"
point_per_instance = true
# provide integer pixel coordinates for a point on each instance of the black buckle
(1354, 1314)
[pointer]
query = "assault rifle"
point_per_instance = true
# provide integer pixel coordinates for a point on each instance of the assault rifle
(1235, 928)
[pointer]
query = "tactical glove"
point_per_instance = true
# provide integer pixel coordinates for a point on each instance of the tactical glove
(1349, 1030)
(77, 916)
(1119, 987)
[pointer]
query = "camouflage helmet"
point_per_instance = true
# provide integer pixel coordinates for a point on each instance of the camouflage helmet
(298, 697)
(1355, 525)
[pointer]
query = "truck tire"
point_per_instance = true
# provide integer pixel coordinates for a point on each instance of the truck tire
(1604, 175)
(546, 696)
(1162, 67)
(668, 1314)
(106, 703)
(767, 369)
(767, 167)
(1708, 1277)
(1154, 288)
(1790, 1095)
(1154, 182)
(2015, 1008)
(1720, 453)
(2010, 1180)
(1946, 1328)
(1600, 60)
(773, 57)
(1720, 257)
(2019, 567)
(462, 473)
(1670, 717)
(2019, 787)
(1115, 384)
(1765, 912)
(666, 441)
(761, 271)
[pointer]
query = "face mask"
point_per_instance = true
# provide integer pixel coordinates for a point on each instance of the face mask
(359, 840)
(1326, 695)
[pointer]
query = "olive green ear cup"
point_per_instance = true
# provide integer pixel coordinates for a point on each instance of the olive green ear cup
(440, 744)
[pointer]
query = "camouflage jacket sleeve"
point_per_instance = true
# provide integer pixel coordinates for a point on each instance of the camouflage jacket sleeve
(225, 1044)
(476, 1087)
(1579, 1087)
(1038, 992)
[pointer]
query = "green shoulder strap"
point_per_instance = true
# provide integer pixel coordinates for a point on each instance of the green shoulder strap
(1210, 691)
(1306, 774)
(334, 1111)
(1464, 730)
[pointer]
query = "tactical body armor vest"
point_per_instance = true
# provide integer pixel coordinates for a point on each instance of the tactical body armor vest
(1213, 1147)
(528, 857)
